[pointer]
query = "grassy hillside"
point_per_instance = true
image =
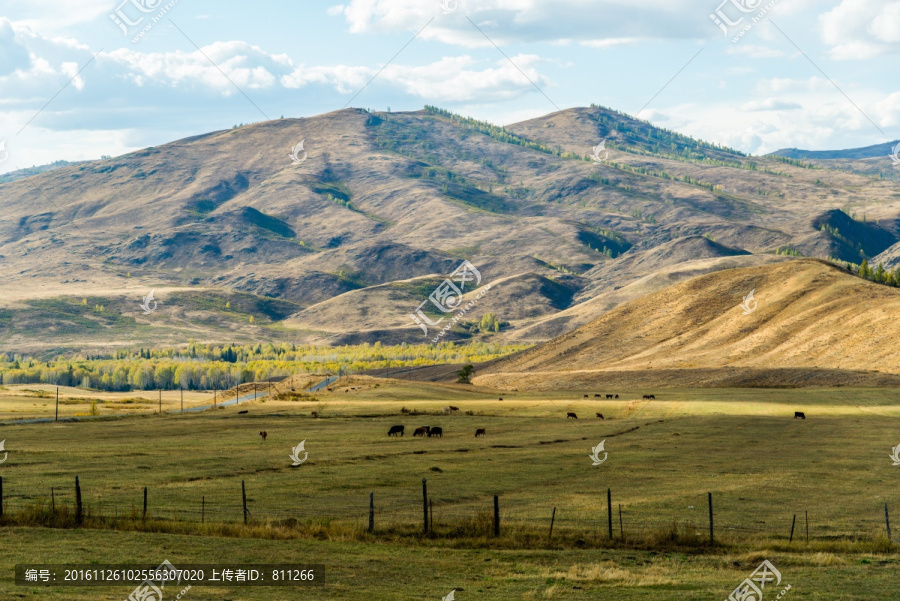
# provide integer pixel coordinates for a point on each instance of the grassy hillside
(805, 314)
(384, 199)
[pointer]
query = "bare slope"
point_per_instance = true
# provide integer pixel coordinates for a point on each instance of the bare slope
(809, 315)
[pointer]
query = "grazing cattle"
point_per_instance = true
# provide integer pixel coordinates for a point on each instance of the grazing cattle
(263, 433)
(479, 432)
(330, 390)
(243, 412)
(617, 396)
(423, 431)
(585, 396)
(396, 431)
(446, 410)
(799, 414)
(452, 408)
(571, 415)
(314, 414)
(648, 397)
(609, 396)
(501, 398)
(436, 431)
(596, 396)
(600, 415)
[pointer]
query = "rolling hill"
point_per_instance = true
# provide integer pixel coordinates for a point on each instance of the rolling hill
(810, 323)
(349, 242)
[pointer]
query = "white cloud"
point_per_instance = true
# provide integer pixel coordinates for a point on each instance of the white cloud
(451, 79)
(771, 104)
(597, 23)
(862, 29)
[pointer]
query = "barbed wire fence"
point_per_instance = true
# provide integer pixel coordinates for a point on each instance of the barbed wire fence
(436, 513)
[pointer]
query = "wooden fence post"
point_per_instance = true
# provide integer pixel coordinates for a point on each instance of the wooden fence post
(552, 519)
(609, 510)
(244, 497)
(145, 502)
(79, 509)
(887, 522)
(425, 505)
(792, 528)
(621, 526)
(711, 539)
(371, 512)
(496, 515)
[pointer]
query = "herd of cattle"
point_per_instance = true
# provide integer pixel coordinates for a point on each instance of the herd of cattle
(428, 431)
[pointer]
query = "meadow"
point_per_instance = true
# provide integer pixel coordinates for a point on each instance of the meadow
(743, 445)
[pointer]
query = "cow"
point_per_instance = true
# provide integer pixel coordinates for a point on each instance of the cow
(243, 412)
(453, 409)
(799, 414)
(446, 410)
(479, 432)
(330, 390)
(423, 431)
(501, 398)
(396, 431)
(315, 414)
(617, 396)
(596, 396)
(571, 415)
(648, 397)
(609, 396)
(585, 396)
(600, 415)
(263, 433)
(436, 431)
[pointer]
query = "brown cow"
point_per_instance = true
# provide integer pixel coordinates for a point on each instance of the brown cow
(600, 415)
(572, 415)
(263, 433)
(423, 431)
(479, 432)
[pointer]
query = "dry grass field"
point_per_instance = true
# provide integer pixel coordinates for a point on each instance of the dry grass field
(665, 455)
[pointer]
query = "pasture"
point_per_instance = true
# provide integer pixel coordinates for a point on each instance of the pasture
(664, 456)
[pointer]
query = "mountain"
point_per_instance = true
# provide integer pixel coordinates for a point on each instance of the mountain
(240, 243)
(11, 176)
(869, 152)
(809, 323)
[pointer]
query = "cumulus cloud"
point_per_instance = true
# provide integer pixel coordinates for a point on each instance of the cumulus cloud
(597, 23)
(862, 29)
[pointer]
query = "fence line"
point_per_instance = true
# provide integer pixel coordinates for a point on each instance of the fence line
(383, 510)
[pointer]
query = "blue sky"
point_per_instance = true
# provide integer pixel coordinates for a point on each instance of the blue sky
(299, 58)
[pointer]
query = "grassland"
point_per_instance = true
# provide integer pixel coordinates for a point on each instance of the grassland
(744, 446)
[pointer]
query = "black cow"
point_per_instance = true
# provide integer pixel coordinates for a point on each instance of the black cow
(436, 431)
(600, 415)
(648, 397)
(609, 396)
(571, 415)
(396, 431)
(799, 414)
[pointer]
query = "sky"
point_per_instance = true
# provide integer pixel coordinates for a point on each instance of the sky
(80, 79)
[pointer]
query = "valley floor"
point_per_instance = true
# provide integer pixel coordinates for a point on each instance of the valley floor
(762, 466)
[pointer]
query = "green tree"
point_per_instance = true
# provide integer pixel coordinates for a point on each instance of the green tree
(465, 374)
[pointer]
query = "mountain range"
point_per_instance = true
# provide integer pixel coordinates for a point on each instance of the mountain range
(240, 242)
